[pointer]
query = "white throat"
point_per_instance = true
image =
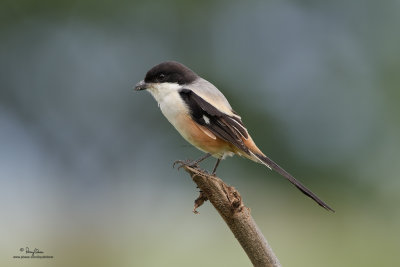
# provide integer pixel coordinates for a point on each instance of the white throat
(161, 91)
(169, 101)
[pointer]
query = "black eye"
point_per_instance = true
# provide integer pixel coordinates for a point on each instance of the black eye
(161, 77)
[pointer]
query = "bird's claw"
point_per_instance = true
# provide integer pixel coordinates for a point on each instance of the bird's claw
(180, 162)
(188, 163)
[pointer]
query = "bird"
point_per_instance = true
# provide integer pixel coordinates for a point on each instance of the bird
(204, 117)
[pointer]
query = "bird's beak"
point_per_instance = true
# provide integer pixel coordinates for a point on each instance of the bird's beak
(141, 86)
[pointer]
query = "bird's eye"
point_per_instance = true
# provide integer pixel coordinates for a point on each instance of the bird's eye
(161, 77)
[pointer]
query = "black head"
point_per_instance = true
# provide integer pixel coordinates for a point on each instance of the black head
(172, 72)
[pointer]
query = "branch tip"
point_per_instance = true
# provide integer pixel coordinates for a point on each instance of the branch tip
(228, 202)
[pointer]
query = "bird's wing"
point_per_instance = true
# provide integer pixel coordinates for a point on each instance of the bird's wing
(208, 92)
(231, 129)
(227, 127)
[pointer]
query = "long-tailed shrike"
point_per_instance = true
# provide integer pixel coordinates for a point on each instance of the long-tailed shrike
(204, 117)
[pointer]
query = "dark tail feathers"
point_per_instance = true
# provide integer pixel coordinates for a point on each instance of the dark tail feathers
(272, 165)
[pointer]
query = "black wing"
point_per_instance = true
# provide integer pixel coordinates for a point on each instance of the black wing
(228, 128)
(231, 129)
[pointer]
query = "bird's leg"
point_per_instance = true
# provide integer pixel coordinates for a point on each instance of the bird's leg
(193, 163)
(216, 166)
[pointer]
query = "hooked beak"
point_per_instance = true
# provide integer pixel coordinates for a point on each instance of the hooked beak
(141, 86)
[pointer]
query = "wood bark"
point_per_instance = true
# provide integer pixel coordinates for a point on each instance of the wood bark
(228, 202)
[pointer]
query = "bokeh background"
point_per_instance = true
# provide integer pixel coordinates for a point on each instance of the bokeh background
(86, 163)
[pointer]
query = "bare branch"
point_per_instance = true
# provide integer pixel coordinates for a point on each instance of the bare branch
(228, 202)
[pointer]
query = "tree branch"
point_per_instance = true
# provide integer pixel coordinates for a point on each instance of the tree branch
(228, 202)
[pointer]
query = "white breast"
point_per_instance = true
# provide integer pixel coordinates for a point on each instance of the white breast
(176, 111)
(172, 106)
(170, 103)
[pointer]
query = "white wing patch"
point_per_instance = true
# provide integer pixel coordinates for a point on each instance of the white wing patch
(206, 119)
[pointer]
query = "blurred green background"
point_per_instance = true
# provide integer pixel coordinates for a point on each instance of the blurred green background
(86, 163)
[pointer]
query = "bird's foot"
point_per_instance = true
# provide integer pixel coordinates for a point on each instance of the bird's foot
(189, 163)
(194, 163)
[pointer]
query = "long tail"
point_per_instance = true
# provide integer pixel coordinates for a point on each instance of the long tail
(272, 165)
